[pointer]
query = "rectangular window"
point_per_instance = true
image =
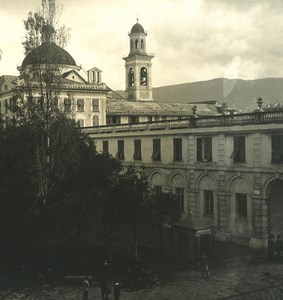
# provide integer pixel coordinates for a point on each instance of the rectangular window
(239, 153)
(208, 202)
(177, 149)
(137, 149)
(149, 119)
(12, 104)
(80, 105)
(277, 148)
(241, 205)
(120, 152)
(67, 104)
(204, 149)
(134, 119)
(105, 147)
(95, 104)
(179, 192)
(6, 106)
(156, 154)
(113, 120)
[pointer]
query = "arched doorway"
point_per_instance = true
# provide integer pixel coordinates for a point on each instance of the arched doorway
(274, 192)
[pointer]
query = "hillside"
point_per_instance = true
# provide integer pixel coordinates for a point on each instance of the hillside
(238, 93)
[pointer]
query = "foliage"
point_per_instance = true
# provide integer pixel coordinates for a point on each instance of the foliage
(133, 200)
(33, 26)
(76, 194)
(166, 208)
(49, 14)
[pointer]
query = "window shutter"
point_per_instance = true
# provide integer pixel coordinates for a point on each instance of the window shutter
(156, 149)
(137, 149)
(199, 150)
(208, 142)
(105, 147)
(120, 152)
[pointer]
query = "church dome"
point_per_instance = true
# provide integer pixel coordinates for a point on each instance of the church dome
(48, 53)
(137, 28)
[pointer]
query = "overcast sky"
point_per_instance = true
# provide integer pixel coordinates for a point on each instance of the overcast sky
(192, 40)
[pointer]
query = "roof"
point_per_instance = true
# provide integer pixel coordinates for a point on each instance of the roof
(66, 74)
(137, 28)
(48, 53)
(192, 223)
(10, 78)
(124, 107)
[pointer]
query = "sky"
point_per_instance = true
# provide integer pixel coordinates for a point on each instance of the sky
(192, 40)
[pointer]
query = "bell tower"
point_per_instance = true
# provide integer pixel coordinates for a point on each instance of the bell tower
(138, 67)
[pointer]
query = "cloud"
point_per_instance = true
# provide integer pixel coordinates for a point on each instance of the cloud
(192, 39)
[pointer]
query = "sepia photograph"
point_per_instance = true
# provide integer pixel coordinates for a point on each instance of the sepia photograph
(141, 149)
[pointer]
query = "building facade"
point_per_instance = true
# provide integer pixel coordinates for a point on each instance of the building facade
(226, 172)
(84, 99)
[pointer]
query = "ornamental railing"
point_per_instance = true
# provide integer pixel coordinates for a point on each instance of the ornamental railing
(268, 117)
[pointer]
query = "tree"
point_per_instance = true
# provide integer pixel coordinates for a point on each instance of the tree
(78, 203)
(133, 201)
(166, 211)
(49, 14)
(35, 104)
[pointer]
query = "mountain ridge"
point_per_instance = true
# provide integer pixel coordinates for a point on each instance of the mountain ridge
(240, 94)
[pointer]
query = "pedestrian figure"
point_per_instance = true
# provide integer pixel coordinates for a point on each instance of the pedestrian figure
(85, 285)
(105, 270)
(278, 245)
(270, 247)
(204, 265)
(116, 291)
(104, 289)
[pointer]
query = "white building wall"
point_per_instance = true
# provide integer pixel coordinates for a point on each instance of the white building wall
(222, 175)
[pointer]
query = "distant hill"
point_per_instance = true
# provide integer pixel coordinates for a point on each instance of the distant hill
(237, 93)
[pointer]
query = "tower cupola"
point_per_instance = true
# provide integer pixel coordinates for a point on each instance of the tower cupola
(137, 39)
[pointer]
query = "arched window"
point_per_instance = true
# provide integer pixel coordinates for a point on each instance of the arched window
(95, 121)
(137, 44)
(132, 44)
(131, 77)
(143, 76)
(141, 44)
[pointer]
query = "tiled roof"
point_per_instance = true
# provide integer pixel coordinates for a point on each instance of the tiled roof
(124, 107)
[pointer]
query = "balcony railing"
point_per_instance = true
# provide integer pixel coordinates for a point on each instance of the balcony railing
(195, 122)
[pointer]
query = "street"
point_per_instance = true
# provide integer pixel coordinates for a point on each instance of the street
(232, 279)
